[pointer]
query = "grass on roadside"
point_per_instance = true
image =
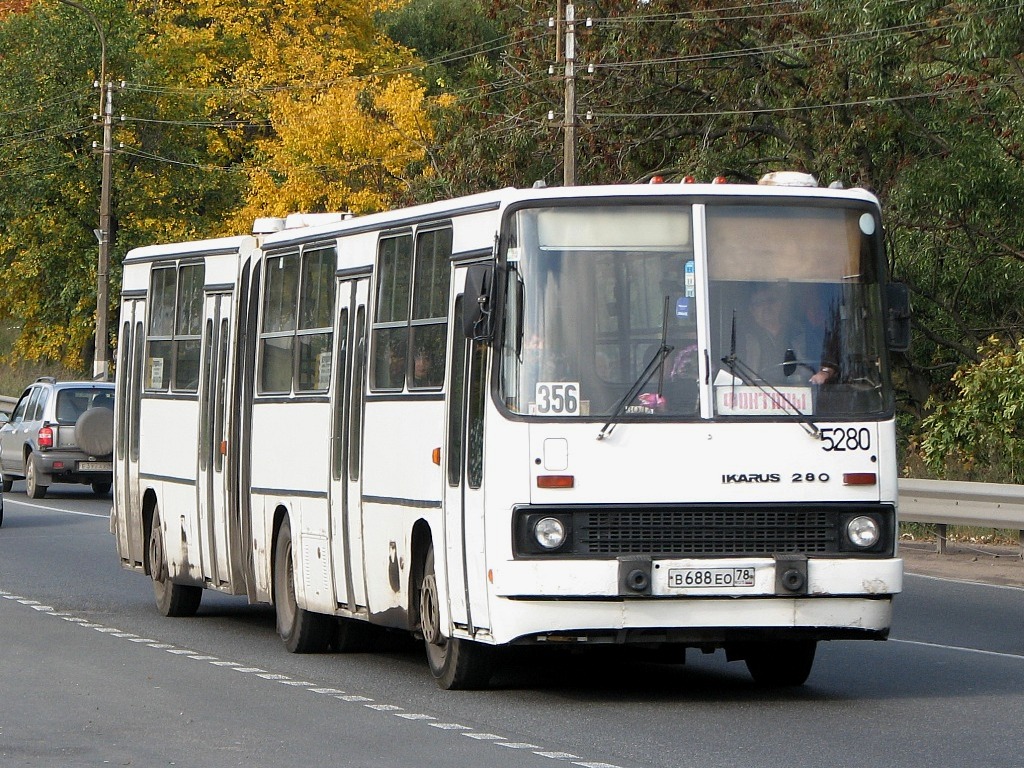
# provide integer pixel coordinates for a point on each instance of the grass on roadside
(961, 533)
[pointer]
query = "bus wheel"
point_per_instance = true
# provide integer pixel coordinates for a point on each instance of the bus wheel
(171, 599)
(456, 664)
(781, 664)
(302, 631)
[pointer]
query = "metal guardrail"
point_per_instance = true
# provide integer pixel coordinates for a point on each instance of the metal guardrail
(946, 502)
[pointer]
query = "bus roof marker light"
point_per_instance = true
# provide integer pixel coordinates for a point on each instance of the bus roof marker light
(788, 179)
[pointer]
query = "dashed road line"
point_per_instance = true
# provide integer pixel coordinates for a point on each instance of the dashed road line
(366, 701)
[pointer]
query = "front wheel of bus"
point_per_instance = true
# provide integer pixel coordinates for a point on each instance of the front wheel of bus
(302, 631)
(455, 663)
(781, 664)
(171, 599)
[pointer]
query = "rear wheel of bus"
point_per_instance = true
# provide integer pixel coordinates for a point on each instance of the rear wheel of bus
(171, 599)
(302, 631)
(455, 663)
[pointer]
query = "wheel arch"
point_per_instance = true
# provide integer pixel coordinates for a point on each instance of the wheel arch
(281, 514)
(148, 513)
(421, 542)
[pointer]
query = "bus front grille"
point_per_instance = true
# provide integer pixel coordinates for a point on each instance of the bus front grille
(703, 530)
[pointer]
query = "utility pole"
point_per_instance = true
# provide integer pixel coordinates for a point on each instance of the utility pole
(100, 365)
(569, 160)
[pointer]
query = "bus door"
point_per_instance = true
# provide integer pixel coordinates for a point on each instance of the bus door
(130, 363)
(464, 494)
(346, 432)
(214, 396)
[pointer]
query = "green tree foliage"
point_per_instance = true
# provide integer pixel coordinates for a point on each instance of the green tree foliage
(981, 431)
(48, 197)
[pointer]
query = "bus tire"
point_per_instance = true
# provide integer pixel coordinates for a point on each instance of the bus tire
(302, 631)
(781, 664)
(33, 488)
(455, 663)
(172, 600)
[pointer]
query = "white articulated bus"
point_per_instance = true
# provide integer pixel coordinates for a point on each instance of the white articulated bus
(656, 414)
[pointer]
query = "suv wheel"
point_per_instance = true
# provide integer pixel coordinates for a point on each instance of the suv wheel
(32, 486)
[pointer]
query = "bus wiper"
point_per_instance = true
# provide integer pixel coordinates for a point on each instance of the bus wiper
(656, 363)
(749, 376)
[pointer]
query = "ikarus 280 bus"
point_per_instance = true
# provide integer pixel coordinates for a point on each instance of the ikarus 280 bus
(656, 415)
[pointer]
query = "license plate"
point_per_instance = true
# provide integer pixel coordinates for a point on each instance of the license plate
(95, 466)
(710, 578)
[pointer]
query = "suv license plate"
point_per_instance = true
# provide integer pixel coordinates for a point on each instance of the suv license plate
(710, 578)
(95, 466)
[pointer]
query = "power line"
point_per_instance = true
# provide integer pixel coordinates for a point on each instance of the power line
(872, 101)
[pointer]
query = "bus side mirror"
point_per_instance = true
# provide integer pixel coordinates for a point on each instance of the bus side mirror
(477, 303)
(897, 317)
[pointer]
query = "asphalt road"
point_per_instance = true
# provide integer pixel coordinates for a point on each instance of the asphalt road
(92, 675)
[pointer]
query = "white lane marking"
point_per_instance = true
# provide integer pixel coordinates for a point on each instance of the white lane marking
(966, 581)
(961, 649)
(58, 509)
(558, 755)
(392, 709)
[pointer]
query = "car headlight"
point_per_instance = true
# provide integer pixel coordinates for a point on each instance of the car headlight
(863, 531)
(549, 532)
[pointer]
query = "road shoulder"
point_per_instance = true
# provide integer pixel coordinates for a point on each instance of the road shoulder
(968, 562)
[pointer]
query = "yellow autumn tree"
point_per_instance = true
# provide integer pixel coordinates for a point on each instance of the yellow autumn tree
(319, 109)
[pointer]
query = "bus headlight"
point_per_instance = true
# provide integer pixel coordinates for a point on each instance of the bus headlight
(549, 532)
(863, 532)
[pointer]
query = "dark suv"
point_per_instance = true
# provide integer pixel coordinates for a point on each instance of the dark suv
(60, 431)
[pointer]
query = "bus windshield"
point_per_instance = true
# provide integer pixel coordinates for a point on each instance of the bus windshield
(605, 315)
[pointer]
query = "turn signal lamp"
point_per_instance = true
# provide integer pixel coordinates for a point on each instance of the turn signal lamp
(556, 481)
